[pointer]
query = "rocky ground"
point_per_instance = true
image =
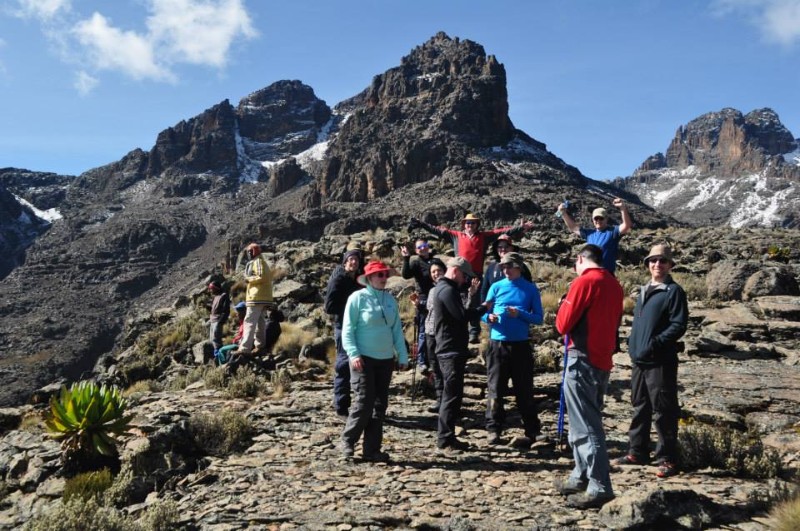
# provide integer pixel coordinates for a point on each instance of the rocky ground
(290, 475)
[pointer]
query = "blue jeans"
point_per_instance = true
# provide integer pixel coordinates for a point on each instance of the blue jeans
(584, 391)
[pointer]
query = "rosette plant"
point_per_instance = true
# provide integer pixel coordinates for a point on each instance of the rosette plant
(86, 418)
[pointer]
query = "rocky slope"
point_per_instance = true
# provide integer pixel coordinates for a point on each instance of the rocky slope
(725, 168)
(29, 202)
(741, 369)
(429, 138)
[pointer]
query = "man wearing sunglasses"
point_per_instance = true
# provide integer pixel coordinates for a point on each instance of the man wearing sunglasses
(419, 269)
(659, 321)
(602, 234)
(471, 243)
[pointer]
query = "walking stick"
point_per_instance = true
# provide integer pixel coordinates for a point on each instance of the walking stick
(414, 348)
(562, 399)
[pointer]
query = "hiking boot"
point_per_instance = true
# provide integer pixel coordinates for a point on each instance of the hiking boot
(583, 500)
(474, 339)
(452, 448)
(628, 460)
(376, 457)
(666, 470)
(346, 451)
(493, 438)
(243, 351)
(523, 442)
(434, 408)
(568, 486)
(342, 413)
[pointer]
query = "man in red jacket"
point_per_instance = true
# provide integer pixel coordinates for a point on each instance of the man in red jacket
(472, 244)
(590, 313)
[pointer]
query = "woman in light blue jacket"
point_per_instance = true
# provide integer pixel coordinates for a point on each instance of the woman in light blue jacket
(372, 336)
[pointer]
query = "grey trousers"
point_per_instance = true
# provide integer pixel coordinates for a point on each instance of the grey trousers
(370, 397)
(584, 390)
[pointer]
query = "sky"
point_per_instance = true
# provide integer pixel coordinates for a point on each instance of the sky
(604, 84)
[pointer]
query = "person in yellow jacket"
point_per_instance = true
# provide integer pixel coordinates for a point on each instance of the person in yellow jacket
(258, 300)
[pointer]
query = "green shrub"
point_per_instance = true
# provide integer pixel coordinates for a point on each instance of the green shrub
(220, 433)
(87, 485)
(161, 516)
(119, 493)
(694, 285)
(86, 418)
(80, 515)
(245, 384)
(740, 454)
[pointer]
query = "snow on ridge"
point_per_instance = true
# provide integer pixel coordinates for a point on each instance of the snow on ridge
(758, 209)
(249, 170)
(706, 190)
(50, 215)
(793, 157)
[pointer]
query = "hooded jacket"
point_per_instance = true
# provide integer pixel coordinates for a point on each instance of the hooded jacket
(659, 321)
(259, 281)
(340, 286)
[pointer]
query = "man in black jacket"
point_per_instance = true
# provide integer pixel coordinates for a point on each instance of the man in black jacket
(419, 268)
(451, 320)
(659, 321)
(341, 284)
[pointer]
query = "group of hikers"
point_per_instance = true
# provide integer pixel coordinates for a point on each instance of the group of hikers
(453, 295)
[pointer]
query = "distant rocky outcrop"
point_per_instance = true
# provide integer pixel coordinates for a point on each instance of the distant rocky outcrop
(725, 167)
(29, 201)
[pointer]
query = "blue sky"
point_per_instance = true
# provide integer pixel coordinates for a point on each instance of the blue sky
(603, 84)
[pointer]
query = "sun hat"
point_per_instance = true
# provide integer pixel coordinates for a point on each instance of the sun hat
(599, 213)
(660, 250)
(459, 262)
(376, 266)
(471, 217)
(240, 306)
(512, 258)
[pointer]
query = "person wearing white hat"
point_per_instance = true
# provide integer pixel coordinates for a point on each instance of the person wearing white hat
(602, 234)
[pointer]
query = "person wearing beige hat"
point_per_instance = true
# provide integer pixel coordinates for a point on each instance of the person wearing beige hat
(602, 234)
(471, 243)
(659, 321)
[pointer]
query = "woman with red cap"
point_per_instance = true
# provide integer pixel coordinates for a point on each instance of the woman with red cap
(372, 336)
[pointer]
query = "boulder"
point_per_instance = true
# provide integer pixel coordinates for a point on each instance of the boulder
(658, 508)
(727, 279)
(772, 280)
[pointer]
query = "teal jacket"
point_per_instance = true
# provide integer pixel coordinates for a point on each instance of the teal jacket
(372, 326)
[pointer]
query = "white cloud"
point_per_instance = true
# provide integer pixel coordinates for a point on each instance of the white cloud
(199, 31)
(42, 9)
(113, 49)
(85, 83)
(194, 32)
(778, 20)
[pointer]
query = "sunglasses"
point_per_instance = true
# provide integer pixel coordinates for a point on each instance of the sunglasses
(423, 246)
(503, 247)
(599, 218)
(470, 222)
(659, 261)
(507, 266)
(380, 274)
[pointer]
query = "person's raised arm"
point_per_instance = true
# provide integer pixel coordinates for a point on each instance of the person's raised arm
(627, 223)
(569, 221)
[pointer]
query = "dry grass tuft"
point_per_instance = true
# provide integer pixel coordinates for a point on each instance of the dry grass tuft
(740, 454)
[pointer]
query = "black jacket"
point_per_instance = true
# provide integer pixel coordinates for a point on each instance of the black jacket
(450, 318)
(659, 321)
(420, 270)
(340, 287)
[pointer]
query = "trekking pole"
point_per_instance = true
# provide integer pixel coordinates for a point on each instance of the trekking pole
(414, 348)
(562, 399)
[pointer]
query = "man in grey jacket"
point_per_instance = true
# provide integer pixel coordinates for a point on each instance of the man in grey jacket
(659, 321)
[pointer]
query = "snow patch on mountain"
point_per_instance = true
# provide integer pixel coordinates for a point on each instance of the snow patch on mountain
(763, 211)
(50, 215)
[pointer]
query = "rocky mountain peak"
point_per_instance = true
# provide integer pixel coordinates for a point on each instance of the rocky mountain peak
(724, 167)
(730, 142)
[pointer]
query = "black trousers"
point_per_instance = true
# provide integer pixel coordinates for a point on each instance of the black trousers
(430, 343)
(452, 365)
(654, 396)
(513, 359)
(371, 397)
